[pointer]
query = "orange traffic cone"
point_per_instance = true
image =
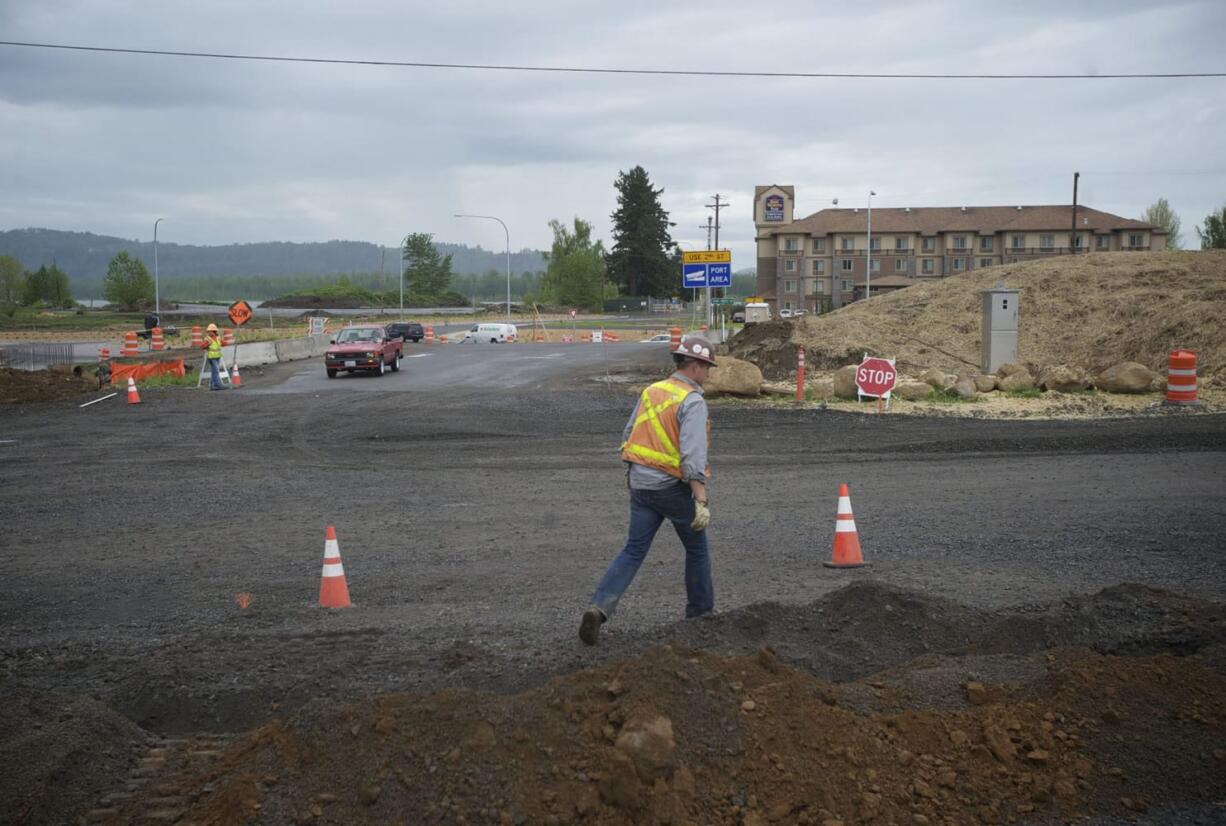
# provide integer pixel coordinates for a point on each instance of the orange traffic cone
(846, 540)
(133, 396)
(333, 590)
(235, 379)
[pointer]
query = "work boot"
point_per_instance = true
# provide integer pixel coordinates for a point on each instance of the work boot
(589, 626)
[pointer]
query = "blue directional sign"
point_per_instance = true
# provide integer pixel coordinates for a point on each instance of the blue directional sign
(719, 275)
(693, 275)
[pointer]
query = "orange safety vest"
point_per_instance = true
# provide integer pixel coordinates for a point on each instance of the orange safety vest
(656, 436)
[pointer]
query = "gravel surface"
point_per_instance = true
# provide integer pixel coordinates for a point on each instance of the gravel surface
(474, 526)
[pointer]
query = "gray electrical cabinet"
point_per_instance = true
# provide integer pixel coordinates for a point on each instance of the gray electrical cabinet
(999, 332)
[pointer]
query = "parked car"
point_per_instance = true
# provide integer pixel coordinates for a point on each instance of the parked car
(738, 317)
(363, 348)
(493, 333)
(799, 313)
(785, 313)
(406, 330)
(656, 339)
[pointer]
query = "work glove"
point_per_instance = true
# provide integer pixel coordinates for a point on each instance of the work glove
(702, 516)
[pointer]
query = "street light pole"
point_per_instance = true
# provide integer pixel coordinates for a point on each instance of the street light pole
(508, 234)
(403, 244)
(157, 295)
(868, 272)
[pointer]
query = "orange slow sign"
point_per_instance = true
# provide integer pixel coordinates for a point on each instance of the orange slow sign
(240, 313)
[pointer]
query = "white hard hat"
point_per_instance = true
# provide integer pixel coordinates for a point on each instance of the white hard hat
(697, 348)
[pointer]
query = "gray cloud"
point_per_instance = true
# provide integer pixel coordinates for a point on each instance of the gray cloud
(244, 151)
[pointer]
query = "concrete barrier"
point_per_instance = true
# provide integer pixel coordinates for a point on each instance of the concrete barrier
(256, 353)
(293, 349)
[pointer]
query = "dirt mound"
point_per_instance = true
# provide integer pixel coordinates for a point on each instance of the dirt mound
(59, 754)
(26, 386)
(1090, 312)
(682, 736)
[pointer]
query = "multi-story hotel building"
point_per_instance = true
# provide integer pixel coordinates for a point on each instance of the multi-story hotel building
(818, 262)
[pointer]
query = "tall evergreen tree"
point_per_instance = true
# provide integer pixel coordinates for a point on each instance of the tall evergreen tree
(639, 263)
(426, 272)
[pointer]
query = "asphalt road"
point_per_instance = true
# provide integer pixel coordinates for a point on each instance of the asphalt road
(478, 498)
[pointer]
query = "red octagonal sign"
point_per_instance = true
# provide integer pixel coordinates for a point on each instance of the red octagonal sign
(876, 377)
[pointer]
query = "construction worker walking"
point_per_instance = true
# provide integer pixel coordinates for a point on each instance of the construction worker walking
(212, 344)
(665, 447)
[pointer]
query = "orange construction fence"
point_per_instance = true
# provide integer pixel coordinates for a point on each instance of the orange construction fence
(120, 373)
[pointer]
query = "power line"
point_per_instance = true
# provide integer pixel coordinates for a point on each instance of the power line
(491, 67)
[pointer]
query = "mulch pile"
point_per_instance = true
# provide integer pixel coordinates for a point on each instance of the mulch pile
(1091, 312)
(26, 386)
(680, 736)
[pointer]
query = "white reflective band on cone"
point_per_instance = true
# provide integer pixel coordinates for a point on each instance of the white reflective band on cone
(1174, 372)
(1180, 388)
(334, 570)
(844, 504)
(845, 526)
(331, 549)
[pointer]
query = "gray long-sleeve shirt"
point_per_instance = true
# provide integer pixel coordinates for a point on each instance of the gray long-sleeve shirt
(692, 416)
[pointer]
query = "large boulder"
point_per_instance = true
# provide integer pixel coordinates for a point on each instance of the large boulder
(938, 378)
(912, 390)
(845, 381)
(1006, 370)
(1020, 380)
(1126, 377)
(1062, 378)
(964, 388)
(734, 377)
(820, 388)
(984, 384)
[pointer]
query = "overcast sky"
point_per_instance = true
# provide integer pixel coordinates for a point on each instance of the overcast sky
(236, 151)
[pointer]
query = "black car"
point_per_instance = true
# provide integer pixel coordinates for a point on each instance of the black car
(406, 330)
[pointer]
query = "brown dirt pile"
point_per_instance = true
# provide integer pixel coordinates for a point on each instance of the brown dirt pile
(679, 736)
(26, 386)
(1091, 312)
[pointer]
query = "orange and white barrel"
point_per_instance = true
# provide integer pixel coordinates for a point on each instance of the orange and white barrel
(611, 337)
(130, 345)
(158, 342)
(674, 338)
(104, 353)
(539, 338)
(197, 337)
(1181, 377)
(227, 337)
(429, 334)
(442, 339)
(585, 337)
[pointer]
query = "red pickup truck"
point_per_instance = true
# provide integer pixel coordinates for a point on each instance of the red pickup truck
(363, 348)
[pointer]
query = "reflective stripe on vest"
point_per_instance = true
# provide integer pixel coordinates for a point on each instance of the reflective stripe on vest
(656, 434)
(214, 347)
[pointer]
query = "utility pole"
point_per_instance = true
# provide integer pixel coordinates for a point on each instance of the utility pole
(717, 206)
(708, 229)
(1072, 236)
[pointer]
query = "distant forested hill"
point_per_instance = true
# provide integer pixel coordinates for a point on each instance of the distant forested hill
(257, 271)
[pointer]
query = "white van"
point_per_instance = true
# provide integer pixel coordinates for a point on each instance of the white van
(492, 333)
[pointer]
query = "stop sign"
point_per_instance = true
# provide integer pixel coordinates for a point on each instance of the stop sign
(876, 377)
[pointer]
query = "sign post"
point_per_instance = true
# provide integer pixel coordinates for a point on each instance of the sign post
(875, 377)
(706, 268)
(240, 313)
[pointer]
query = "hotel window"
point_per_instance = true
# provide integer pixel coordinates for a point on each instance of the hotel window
(900, 265)
(789, 265)
(985, 262)
(985, 244)
(845, 243)
(1134, 239)
(1047, 242)
(928, 268)
(1103, 242)
(819, 244)
(900, 243)
(789, 243)
(789, 286)
(847, 265)
(846, 286)
(959, 242)
(876, 265)
(819, 286)
(958, 264)
(1019, 242)
(819, 267)
(930, 244)
(875, 244)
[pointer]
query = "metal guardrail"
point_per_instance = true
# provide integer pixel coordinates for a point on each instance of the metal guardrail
(35, 356)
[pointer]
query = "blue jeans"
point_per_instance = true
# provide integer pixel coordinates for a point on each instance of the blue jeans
(215, 382)
(648, 510)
